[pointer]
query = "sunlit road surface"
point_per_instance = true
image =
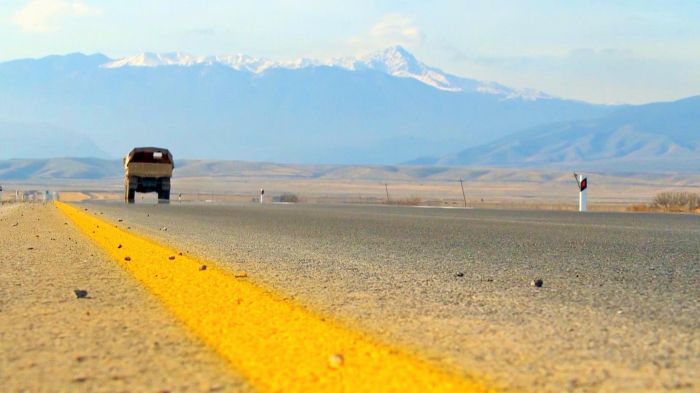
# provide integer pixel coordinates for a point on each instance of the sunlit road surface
(276, 344)
(301, 297)
(619, 306)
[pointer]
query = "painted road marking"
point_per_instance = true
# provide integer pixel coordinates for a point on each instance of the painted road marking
(276, 344)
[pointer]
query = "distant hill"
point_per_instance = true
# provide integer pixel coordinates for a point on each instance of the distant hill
(70, 170)
(380, 109)
(653, 137)
(60, 168)
(29, 140)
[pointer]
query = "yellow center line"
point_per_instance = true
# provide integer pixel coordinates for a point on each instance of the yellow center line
(275, 343)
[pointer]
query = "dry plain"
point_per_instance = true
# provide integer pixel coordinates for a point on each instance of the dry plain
(201, 180)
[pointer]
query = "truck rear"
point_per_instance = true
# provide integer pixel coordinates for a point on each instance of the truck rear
(148, 169)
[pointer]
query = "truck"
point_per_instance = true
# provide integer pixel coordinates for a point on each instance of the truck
(148, 169)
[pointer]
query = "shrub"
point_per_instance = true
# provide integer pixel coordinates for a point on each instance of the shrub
(680, 201)
(291, 198)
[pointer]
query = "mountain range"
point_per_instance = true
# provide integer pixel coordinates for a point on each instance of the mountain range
(395, 61)
(383, 108)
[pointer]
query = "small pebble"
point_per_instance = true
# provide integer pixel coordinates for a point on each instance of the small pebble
(336, 360)
(127, 259)
(241, 275)
(81, 294)
(119, 246)
(203, 267)
(172, 257)
(460, 274)
(537, 283)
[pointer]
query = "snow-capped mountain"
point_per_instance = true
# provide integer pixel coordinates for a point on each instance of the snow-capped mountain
(245, 108)
(395, 61)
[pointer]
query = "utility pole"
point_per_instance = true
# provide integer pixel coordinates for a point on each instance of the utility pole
(387, 193)
(463, 195)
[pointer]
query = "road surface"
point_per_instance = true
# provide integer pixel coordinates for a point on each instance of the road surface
(619, 308)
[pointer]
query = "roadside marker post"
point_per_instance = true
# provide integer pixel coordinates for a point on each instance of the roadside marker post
(262, 196)
(582, 190)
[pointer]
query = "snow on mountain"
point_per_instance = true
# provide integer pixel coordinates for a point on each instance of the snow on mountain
(239, 62)
(395, 61)
(398, 62)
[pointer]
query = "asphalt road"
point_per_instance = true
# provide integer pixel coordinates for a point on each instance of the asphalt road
(619, 307)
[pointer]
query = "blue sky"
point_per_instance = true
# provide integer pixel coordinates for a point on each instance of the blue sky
(629, 51)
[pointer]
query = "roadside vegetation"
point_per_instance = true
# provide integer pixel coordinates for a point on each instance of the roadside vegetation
(411, 201)
(289, 198)
(673, 202)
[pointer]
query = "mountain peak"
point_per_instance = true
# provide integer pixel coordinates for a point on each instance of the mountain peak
(399, 50)
(394, 60)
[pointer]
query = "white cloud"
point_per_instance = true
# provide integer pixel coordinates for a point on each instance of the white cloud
(393, 29)
(46, 16)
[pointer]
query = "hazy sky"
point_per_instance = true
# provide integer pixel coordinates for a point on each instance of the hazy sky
(631, 51)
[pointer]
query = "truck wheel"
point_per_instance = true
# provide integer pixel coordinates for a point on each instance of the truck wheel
(164, 196)
(164, 190)
(129, 191)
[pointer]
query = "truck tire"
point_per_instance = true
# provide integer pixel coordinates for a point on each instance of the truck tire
(164, 190)
(129, 191)
(163, 196)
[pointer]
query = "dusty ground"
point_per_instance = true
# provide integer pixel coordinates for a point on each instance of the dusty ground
(618, 311)
(120, 338)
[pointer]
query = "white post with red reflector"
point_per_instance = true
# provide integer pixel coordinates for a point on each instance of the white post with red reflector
(262, 196)
(582, 189)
